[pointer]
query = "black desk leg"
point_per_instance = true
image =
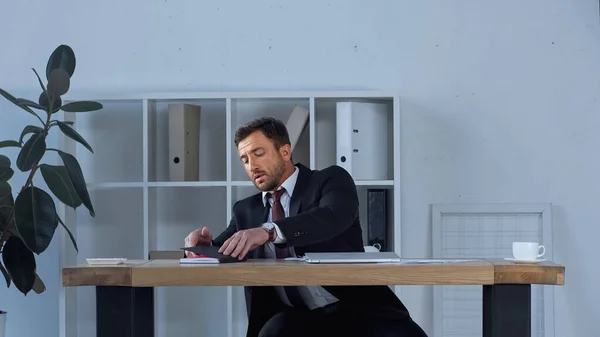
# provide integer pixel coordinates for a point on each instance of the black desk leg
(124, 311)
(507, 310)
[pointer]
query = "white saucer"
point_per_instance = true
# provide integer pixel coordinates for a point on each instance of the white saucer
(524, 261)
(109, 260)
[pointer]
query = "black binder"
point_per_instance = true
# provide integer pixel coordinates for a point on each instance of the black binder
(377, 218)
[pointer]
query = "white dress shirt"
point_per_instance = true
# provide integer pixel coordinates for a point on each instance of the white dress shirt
(313, 296)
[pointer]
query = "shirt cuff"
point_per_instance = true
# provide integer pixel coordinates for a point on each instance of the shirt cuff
(280, 237)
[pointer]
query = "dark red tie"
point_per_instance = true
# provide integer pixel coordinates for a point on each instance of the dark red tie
(278, 213)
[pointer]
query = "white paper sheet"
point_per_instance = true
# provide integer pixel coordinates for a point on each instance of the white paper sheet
(198, 260)
(431, 261)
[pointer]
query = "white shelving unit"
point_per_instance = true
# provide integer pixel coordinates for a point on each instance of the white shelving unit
(138, 209)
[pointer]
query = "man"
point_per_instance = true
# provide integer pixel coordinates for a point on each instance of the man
(301, 210)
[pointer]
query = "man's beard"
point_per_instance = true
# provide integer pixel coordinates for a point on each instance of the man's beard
(273, 180)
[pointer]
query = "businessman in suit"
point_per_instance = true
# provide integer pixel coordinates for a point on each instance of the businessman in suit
(300, 210)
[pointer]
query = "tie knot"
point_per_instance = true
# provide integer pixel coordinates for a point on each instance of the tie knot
(277, 194)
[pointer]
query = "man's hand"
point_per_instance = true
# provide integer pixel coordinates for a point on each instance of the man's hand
(199, 237)
(240, 243)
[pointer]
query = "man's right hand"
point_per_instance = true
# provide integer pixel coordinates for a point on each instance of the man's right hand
(199, 237)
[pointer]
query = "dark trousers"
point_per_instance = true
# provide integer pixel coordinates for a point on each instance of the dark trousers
(339, 320)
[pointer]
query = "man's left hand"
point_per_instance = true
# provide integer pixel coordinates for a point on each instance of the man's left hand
(240, 243)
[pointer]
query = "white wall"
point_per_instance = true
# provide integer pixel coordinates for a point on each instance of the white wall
(499, 98)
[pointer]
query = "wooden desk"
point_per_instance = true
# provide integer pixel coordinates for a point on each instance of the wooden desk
(125, 303)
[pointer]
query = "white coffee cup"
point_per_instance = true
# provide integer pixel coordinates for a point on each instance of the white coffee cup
(371, 249)
(528, 251)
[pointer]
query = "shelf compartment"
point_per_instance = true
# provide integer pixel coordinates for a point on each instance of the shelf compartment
(115, 135)
(326, 135)
(174, 212)
(364, 215)
(243, 110)
(211, 139)
(115, 232)
(116, 229)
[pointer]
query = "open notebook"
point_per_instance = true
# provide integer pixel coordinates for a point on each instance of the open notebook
(352, 257)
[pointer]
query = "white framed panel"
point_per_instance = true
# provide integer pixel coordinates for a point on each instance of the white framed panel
(487, 230)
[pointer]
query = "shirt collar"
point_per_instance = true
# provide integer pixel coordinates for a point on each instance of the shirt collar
(288, 184)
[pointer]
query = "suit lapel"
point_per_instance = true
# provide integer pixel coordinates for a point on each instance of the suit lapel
(299, 188)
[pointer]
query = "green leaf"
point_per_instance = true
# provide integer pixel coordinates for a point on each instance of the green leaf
(56, 103)
(57, 179)
(54, 122)
(30, 129)
(20, 264)
(62, 57)
(58, 82)
(5, 171)
(39, 80)
(38, 285)
(6, 203)
(16, 102)
(9, 143)
(4, 161)
(44, 99)
(8, 96)
(28, 109)
(31, 153)
(6, 276)
(81, 106)
(77, 179)
(6, 197)
(35, 218)
(69, 232)
(71, 133)
(32, 104)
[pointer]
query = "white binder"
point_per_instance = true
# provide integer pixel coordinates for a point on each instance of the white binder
(184, 142)
(362, 139)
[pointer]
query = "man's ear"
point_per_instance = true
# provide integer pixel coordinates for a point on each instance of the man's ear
(286, 152)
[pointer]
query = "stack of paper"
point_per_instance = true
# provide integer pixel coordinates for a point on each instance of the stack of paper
(199, 260)
(430, 261)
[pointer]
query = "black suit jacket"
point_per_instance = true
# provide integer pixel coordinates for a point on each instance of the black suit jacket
(323, 218)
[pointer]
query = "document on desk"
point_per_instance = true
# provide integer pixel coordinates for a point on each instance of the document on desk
(431, 261)
(199, 260)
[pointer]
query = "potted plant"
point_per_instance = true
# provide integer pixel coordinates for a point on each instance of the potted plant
(28, 216)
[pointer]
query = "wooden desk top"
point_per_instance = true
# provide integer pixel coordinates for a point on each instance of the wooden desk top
(160, 273)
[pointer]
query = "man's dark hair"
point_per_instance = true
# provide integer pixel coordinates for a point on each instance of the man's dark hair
(272, 128)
